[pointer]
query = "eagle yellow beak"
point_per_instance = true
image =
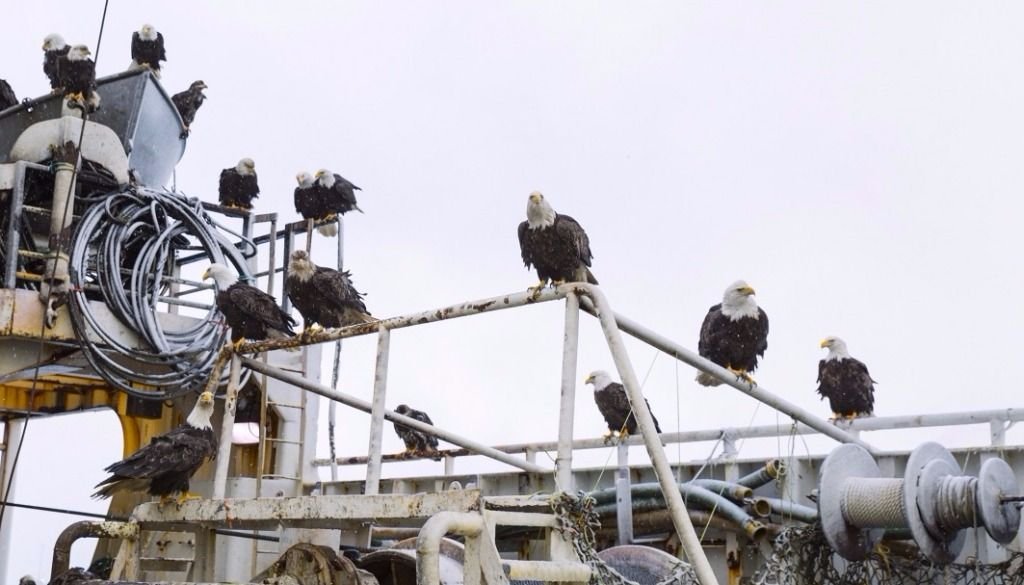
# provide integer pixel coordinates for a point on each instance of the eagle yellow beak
(748, 290)
(318, 174)
(206, 274)
(825, 343)
(206, 397)
(588, 380)
(535, 197)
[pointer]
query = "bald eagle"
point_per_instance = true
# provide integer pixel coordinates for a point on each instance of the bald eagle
(165, 465)
(613, 402)
(238, 185)
(306, 196)
(78, 77)
(27, 580)
(554, 244)
(334, 195)
(55, 53)
(324, 295)
(416, 443)
(148, 49)
(250, 312)
(7, 97)
(188, 103)
(74, 576)
(845, 381)
(734, 334)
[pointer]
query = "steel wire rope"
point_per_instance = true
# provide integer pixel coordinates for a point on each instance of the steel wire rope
(150, 224)
(49, 291)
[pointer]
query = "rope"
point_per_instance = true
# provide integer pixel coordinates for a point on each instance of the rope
(123, 246)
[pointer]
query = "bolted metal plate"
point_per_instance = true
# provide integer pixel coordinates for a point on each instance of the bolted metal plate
(1001, 520)
(936, 549)
(844, 463)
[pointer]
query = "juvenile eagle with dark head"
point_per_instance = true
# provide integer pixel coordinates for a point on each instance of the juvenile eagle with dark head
(78, 77)
(334, 195)
(164, 466)
(554, 244)
(248, 311)
(845, 381)
(613, 402)
(238, 186)
(148, 49)
(188, 103)
(7, 97)
(323, 295)
(55, 53)
(416, 443)
(734, 334)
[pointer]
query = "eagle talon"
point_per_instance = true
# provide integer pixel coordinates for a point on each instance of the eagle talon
(186, 496)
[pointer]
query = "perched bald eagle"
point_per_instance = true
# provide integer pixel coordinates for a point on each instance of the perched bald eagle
(323, 295)
(238, 185)
(554, 244)
(334, 195)
(74, 576)
(78, 77)
(7, 97)
(613, 402)
(188, 103)
(27, 580)
(55, 53)
(250, 312)
(734, 334)
(148, 49)
(416, 442)
(306, 196)
(164, 466)
(845, 381)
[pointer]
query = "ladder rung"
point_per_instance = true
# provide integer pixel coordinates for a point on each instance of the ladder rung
(285, 405)
(286, 441)
(275, 476)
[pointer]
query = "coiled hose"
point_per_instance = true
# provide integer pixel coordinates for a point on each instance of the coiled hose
(124, 244)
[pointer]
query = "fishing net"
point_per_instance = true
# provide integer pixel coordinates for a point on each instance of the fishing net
(800, 556)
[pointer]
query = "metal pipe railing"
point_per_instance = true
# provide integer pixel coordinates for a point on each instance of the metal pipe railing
(567, 407)
(380, 386)
(364, 406)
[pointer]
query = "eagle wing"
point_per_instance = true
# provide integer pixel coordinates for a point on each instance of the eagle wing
(253, 303)
(7, 97)
(762, 321)
(137, 46)
(524, 245)
(570, 230)
(710, 331)
(180, 449)
(337, 287)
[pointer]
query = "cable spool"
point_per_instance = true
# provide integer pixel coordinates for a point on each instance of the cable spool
(931, 500)
(123, 243)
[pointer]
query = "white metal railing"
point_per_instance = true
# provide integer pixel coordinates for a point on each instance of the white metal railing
(999, 421)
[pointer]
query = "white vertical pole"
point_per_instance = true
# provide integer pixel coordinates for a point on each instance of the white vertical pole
(623, 497)
(563, 460)
(380, 385)
(220, 473)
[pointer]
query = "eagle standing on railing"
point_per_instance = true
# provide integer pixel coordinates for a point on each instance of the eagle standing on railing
(554, 244)
(78, 77)
(238, 185)
(250, 312)
(734, 334)
(614, 405)
(334, 195)
(323, 295)
(164, 466)
(845, 381)
(148, 49)
(417, 443)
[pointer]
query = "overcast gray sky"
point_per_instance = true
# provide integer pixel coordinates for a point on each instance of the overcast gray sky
(858, 164)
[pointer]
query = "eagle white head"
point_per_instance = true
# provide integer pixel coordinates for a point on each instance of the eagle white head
(200, 416)
(53, 42)
(836, 348)
(147, 32)
(246, 166)
(222, 276)
(79, 53)
(325, 178)
(600, 379)
(539, 212)
(301, 266)
(738, 301)
(304, 179)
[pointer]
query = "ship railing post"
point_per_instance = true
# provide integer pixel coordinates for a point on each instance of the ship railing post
(14, 224)
(676, 507)
(623, 497)
(380, 385)
(567, 410)
(220, 474)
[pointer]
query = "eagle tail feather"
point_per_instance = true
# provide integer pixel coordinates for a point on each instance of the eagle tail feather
(328, 230)
(705, 379)
(275, 334)
(590, 277)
